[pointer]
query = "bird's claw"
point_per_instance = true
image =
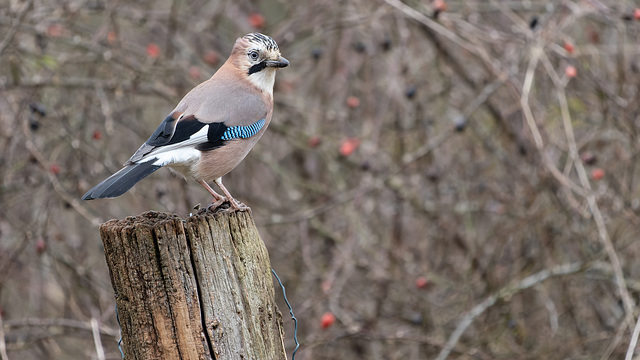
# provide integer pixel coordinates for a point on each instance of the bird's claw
(238, 206)
(216, 204)
(234, 205)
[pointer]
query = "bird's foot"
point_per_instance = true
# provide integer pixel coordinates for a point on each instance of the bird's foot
(216, 205)
(238, 206)
(227, 204)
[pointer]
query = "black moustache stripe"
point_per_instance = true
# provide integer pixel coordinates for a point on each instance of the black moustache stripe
(257, 67)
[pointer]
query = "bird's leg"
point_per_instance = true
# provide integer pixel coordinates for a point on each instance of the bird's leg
(217, 198)
(215, 195)
(238, 206)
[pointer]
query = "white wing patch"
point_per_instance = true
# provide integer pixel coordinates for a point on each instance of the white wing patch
(183, 152)
(182, 156)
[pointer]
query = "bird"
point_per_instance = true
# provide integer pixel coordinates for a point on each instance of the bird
(213, 127)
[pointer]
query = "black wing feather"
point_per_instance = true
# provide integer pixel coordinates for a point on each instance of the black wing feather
(118, 183)
(172, 131)
(214, 137)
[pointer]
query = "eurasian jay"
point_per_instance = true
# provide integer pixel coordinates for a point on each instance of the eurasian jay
(213, 127)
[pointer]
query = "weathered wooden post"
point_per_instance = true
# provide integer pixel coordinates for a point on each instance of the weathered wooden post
(199, 288)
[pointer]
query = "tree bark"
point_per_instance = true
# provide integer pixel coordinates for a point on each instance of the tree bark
(199, 288)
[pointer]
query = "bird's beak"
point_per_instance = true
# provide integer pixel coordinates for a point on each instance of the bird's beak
(280, 63)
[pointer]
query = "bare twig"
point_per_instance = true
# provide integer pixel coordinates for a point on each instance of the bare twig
(61, 322)
(439, 29)
(634, 340)
(95, 330)
(603, 234)
(524, 99)
(59, 189)
(3, 344)
(80, 83)
(106, 110)
(533, 127)
(621, 329)
(15, 25)
(505, 292)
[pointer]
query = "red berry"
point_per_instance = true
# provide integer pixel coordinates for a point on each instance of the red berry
(112, 37)
(571, 71)
(327, 320)
(54, 169)
(422, 282)
(326, 286)
(314, 141)
(594, 36)
(569, 47)
(194, 72)
(153, 51)
(55, 30)
(211, 57)
(41, 245)
(97, 135)
(439, 5)
(349, 146)
(597, 174)
(257, 20)
(353, 102)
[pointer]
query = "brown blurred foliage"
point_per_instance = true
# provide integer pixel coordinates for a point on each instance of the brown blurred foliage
(447, 179)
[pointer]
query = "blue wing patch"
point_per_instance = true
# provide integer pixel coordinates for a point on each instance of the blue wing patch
(242, 132)
(218, 133)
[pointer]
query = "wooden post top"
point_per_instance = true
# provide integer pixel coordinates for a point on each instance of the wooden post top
(194, 288)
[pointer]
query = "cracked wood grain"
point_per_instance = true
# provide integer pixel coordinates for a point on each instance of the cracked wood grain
(198, 288)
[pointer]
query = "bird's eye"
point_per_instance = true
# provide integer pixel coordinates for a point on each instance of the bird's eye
(253, 55)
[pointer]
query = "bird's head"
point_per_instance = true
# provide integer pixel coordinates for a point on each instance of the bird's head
(258, 57)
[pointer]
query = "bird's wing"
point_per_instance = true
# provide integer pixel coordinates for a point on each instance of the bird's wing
(205, 119)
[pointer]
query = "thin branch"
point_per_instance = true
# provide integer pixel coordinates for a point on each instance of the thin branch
(3, 344)
(533, 127)
(622, 327)
(603, 234)
(15, 25)
(634, 341)
(439, 29)
(112, 85)
(524, 98)
(95, 331)
(503, 293)
(59, 189)
(65, 323)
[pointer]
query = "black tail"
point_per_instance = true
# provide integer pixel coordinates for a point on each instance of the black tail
(118, 183)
